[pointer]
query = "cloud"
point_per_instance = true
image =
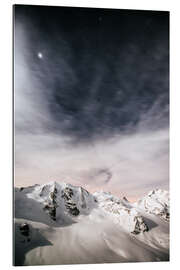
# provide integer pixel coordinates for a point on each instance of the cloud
(82, 94)
(94, 116)
(130, 164)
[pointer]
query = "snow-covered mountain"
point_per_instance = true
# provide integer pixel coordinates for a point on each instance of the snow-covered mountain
(43, 212)
(57, 200)
(155, 202)
(121, 212)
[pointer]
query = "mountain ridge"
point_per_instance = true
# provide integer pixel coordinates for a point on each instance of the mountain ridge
(62, 221)
(60, 200)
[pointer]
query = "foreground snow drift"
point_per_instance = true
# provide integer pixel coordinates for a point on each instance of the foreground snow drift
(58, 223)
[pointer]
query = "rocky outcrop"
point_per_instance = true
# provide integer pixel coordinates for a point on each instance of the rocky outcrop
(51, 210)
(83, 200)
(24, 229)
(25, 232)
(67, 194)
(71, 206)
(51, 204)
(139, 225)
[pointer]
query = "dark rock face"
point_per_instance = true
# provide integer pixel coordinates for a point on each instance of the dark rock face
(83, 205)
(24, 229)
(140, 225)
(52, 205)
(73, 210)
(67, 194)
(165, 214)
(51, 209)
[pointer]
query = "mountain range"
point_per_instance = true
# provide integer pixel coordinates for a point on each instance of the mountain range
(58, 223)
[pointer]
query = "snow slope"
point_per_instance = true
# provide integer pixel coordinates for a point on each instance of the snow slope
(57, 223)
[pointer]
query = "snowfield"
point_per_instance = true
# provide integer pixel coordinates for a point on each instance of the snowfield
(58, 223)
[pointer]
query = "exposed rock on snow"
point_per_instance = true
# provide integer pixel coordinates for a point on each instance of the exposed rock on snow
(51, 205)
(67, 194)
(156, 202)
(24, 229)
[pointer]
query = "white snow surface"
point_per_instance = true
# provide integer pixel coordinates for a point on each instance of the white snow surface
(68, 225)
(155, 202)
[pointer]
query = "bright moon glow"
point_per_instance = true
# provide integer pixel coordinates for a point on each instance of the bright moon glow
(40, 55)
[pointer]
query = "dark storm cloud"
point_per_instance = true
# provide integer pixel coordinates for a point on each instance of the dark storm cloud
(91, 98)
(98, 77)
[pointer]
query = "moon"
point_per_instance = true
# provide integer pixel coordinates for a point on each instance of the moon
(40, 55)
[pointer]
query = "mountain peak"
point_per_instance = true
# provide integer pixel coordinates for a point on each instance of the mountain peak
(156, 202)
(159, 192)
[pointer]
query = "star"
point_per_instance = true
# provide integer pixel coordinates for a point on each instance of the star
(40, 55)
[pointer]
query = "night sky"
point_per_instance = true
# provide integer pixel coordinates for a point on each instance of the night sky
(92, 98)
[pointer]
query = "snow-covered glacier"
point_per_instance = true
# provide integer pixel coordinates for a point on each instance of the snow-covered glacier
(58, 223)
